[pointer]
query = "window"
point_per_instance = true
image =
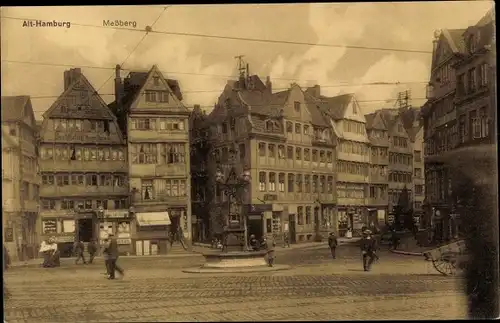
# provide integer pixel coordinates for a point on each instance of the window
(298, 183)
(262, 149)
(281, 182)
(322, 184)
(315, 155)
(307, 183)
(67, 205)
(471, 44)
(315, 184)
(150, 96)
(289, 127)
(471, 80)
(298, 153)
(48, 179)
(483, 75)
(461, 84)
(144, 153)
(300, 215)
(289, 152)
(291, 182)
(262, 181)
(419, 189)
(48, 204)
(156, 80)
(143, 124)
(306, 129)
(330, 184)
(171, 124)
(329, 157)
(242, 151)
(173, 153)
(296, 106)
(308, 215)
(307, 154)
(418, 156)
(272, 150)
(272, 182)
(322, 156)
(297, 128)
(476, 125)
(418, 172)
(269, 126)
(147, 189)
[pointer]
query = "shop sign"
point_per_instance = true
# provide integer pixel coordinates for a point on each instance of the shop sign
(9, 234)
(116, 214)
(64, 239)
(124, 241)
(259, 208)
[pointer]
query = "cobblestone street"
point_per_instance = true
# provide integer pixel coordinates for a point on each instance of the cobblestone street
(317, 288)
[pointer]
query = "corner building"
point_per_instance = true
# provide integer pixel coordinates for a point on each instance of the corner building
(83, 166)
(289, 152)
(155, 122)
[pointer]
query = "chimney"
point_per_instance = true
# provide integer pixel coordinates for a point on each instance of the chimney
(197, 108)
(118, 86)
(269, 85)
(316, 90)
(70, 76)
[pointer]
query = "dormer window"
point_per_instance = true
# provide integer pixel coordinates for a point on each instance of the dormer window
(471, 44)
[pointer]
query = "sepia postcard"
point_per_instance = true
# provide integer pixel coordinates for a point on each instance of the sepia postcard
(250, 162)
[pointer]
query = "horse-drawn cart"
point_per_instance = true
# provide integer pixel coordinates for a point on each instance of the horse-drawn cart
(449, 259)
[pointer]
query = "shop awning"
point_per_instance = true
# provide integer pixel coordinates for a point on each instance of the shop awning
(153, 218)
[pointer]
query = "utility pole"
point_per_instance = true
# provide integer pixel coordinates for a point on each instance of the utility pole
(241, 65)
(404, 99)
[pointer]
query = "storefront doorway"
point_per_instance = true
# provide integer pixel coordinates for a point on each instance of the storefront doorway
(85, 229)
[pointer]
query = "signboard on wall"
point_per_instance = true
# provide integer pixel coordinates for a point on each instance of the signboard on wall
(123, 241)
(49, 226)
(9, 234)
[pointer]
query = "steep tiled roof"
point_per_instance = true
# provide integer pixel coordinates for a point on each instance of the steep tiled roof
(369, 120)
(13, 107)
(336, 106)
(317, 116)
(412, 132)
(409, 116)
(389, 116)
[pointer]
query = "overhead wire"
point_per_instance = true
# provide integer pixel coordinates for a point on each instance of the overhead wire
(248, 39)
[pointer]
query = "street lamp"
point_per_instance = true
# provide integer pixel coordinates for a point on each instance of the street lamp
(233, 187)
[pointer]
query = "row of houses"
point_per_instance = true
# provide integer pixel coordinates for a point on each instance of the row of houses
(460, 112)
(318, 164)
(143, 166)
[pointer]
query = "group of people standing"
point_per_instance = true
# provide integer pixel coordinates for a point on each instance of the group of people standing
(263, 244)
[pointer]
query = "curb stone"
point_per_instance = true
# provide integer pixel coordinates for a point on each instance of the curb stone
(407, 253)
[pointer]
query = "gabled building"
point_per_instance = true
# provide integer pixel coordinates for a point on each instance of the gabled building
(400, 156)
(379, 172)
(20, 178)
(155, 122)
(83, 163)
(289, 152)
(352, 158)
(416, 135)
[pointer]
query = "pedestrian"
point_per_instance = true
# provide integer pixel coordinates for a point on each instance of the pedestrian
(286, 239)
(269, 247)
(368, 250)
(78, 250)
(92, 248)
(332, 243)
(254, 243)
(395, 239)
(111, 250)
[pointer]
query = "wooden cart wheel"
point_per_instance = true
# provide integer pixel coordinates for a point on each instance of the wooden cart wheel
(446, 264)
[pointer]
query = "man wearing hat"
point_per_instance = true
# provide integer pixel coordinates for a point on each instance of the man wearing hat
(368, 249)
(111, 256)
(332, 243)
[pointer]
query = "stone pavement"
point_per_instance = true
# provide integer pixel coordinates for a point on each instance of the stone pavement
(397, 288)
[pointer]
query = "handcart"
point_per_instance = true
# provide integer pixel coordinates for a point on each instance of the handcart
(449, 259)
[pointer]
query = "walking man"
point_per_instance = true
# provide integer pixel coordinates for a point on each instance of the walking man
(92, 248)
(368, 249)
(78, 249)
(286, 239)
(111, 252)
(332, 243)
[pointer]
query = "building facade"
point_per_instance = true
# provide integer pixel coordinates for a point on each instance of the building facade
(416, 135)
(459, 112)
(83, 166)
(352, 159)
(20, 178)
(379, 171)
(155, 122)
(201, 195)
(289, 153)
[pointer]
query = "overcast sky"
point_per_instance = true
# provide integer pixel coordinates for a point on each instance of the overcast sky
(407, 26)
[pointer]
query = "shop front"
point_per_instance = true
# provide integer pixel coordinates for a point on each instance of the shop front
(150, 235)
(353, 219)
(118, 223)
(63, 226)
(376, 218)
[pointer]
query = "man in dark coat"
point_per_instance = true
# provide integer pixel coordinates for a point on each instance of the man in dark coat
(111, 252)
(92, 248)
(79, 249)
(368, 249)
(332, 243)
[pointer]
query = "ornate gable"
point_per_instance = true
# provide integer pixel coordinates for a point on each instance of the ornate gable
(155, 94)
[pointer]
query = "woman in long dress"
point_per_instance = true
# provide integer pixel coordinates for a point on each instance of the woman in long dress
(51, 254)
